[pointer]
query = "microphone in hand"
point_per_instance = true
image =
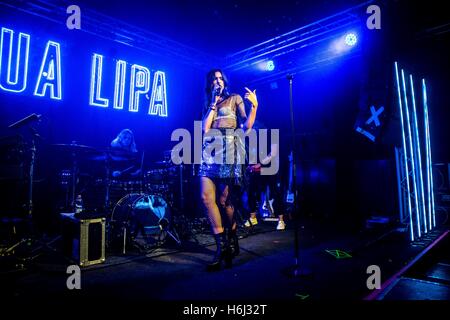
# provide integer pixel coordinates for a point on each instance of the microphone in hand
(215, 94)
(217, 90)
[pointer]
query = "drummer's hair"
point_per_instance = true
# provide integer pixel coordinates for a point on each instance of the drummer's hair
(117, 142)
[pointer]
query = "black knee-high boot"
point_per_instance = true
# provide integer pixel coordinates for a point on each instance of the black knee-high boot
(234, 242)
(222, 253)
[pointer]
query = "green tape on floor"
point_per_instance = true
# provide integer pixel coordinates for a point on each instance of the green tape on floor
(338, 254)
(302, 296)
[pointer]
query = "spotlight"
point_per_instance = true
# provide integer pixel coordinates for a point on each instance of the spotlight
(344, 43)
(351, 39)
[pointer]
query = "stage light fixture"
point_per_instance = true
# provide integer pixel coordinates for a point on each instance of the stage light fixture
(270, 65)
(351, 39)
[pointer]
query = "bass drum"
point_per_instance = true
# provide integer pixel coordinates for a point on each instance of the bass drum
(138, 215)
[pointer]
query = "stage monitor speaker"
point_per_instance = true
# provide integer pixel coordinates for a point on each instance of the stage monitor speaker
(83, 239)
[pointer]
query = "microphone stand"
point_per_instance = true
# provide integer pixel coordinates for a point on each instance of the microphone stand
(296, 270)
(30, 240)
(34, 135)
(33, 150)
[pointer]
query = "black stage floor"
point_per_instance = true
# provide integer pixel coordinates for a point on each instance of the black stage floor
(262, 273)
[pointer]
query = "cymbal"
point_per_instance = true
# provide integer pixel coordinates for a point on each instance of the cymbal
(119, 151)
(74, 147)
(169, 162)
(105, 157)
(115, 155)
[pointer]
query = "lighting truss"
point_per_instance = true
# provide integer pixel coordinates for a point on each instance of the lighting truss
(115, 30)
(307, 65)
(300, 38)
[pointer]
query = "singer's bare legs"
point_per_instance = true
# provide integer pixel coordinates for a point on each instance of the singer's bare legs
(208, 195)
(227, 207)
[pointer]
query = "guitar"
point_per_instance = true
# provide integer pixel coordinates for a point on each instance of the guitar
(290, 193)
(266, 207)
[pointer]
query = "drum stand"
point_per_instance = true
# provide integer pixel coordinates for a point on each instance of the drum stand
(30, 239)
(172, 233)
(107, 182)
(164, 229)
(74, 179)
(181, 207)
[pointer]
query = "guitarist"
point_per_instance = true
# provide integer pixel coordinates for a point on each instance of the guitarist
(257, 183)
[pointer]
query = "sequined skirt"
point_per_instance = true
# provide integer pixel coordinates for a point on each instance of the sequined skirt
(222, 157)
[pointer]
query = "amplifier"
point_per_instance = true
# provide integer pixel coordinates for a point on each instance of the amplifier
(83, 239)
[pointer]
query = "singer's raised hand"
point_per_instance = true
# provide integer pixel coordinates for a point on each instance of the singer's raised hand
(251, 96)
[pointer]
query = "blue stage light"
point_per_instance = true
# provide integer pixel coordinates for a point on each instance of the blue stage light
(351, 39)
(419, 155)
(405, 152)
(431, 212)
(412, 155)
(270, 65)
(344, 43)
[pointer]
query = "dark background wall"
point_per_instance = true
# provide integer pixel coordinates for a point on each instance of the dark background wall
(342, 175)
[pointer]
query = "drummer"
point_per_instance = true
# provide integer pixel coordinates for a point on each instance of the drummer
(124, 147)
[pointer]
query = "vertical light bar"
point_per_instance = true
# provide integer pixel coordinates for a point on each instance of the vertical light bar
(426, 152)
(431, 212)
(405, 154)
(419, 155)
(413, 169)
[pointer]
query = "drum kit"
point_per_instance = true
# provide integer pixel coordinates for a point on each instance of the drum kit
(107, 183)
(134, 201)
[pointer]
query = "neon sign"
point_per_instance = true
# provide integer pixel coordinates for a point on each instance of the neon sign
(51, 72)
(19, 83)
(14, 63)
(96, 83)
(139, 84)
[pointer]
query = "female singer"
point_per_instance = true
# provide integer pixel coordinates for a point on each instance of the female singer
(223, 111)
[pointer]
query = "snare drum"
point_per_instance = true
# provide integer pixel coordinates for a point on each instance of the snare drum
(155, 181)
(127, 186)
(155, 176)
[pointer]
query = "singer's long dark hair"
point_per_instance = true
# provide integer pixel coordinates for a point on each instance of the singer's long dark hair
(209, 87)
